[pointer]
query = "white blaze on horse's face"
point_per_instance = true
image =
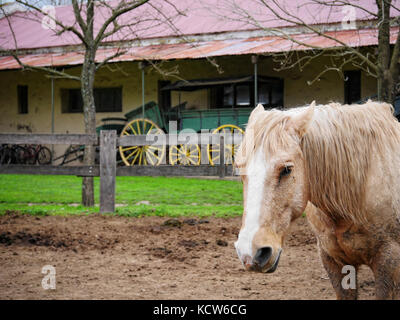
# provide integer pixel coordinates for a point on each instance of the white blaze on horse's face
(255, 177)
(275, 192)
(264, 222)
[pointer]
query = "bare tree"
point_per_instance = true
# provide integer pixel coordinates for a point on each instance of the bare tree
(95, 22)
(308, 17)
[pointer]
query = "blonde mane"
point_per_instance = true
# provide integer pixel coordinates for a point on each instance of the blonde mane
(338, 148)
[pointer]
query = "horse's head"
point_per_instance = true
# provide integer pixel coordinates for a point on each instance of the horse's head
(275, 188)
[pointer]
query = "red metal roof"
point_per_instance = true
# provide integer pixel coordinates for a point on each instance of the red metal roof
(259, 45)
(199, 17)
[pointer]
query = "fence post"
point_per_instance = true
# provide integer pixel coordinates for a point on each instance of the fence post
(108, 168)
(221, 156)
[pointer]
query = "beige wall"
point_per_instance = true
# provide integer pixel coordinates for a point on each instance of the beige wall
(296, 90)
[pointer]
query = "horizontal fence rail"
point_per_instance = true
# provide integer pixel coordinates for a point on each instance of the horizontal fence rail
(83, 171)
(178, 170)
(108, 141)
(43, 138)
(124, 171)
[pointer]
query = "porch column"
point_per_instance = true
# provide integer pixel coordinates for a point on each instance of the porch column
(52, 105)
(254, 60)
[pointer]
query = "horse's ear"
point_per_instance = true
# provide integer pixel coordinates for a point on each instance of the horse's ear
(256, 112)
(300, 122)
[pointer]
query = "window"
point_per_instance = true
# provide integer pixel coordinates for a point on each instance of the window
(352, 86)
(263, 94)
(108, 99)
(22, 92)
(105, 100)
(270, 93)
(229, 96)
(75, 103)
(241, 95)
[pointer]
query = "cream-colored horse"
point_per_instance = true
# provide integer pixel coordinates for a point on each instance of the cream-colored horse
(343, 163)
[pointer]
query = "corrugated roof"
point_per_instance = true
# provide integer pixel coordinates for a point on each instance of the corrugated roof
(259, 45)
(199, 17)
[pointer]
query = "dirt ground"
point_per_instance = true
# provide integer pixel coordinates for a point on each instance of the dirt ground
(104, 257)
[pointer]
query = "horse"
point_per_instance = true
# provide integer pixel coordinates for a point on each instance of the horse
(336, 163)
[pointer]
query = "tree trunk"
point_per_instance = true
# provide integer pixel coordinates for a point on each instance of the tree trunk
(386, 82)
(87, 76)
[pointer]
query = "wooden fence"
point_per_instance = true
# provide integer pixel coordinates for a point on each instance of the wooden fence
(108, 141)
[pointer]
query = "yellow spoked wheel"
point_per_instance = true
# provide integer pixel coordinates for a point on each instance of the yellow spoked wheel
(142, 155)
(185, 154)
(230, 149)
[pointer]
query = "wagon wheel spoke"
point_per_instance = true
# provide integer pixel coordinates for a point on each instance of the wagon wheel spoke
(192, 161)
(132, 153)
(129, 148)
(153, 153)
(133, 161)
(215, 159)
(182, 150)
(150, 160)
(133, 130)
(173, 155)
(152, 157)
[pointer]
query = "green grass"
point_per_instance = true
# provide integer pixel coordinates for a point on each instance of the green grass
(138, 196)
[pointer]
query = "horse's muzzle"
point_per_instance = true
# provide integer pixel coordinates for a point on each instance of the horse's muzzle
(276, 262)
(262, 260)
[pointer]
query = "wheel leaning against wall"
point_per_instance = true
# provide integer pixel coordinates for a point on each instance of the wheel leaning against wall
(142, 155)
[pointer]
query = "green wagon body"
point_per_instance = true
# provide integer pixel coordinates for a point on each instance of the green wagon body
(213, 118)
(151, 112)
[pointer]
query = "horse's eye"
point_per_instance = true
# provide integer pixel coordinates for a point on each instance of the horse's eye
(285, 172)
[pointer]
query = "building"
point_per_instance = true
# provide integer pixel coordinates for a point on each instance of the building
(30, 101)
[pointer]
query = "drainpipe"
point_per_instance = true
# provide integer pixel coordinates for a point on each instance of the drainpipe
(141, 67)
(254, 60)
(52, 113)
(143, 92)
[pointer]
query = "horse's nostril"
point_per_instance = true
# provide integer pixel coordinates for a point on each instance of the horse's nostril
(262, 256)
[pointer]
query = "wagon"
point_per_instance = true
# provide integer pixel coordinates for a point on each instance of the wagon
(153, 119)
(156, 122)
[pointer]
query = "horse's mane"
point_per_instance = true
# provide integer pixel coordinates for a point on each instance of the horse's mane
(338, 148)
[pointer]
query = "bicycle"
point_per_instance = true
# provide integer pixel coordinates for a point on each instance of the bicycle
(7, 154)
(27, 154)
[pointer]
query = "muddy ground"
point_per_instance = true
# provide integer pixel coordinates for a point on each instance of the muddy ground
(104, 257)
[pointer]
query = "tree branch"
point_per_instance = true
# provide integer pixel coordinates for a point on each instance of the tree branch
(108, 59)
(63, 27)
(78, 16)
(117, 12)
